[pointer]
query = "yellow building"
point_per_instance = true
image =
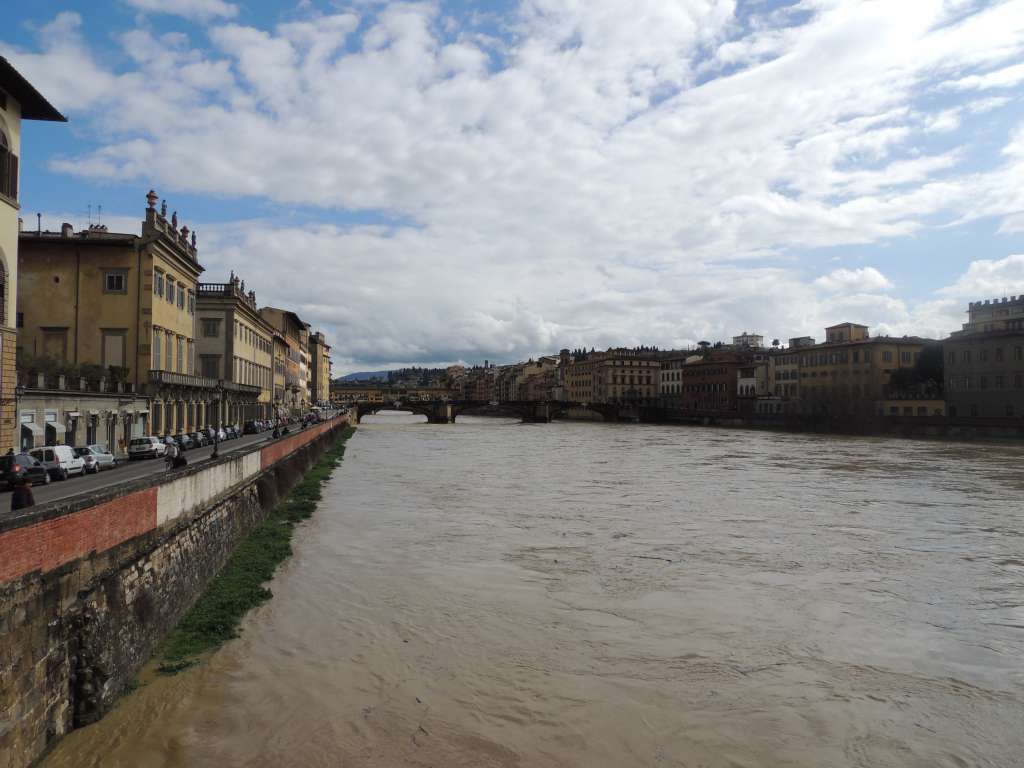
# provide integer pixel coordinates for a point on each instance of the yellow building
(850, 372)
(18, 101)
(291, 395)
(614, 376)
(320, 363)
(124, 302)
(235, 344)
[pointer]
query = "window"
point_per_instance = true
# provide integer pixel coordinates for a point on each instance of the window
(999, 354)
(170, 290)
(19, 319)
(181, 297)
(906, 357)
(191, 357)
(114, 349)
(967, 356)
(1018, 353)
(191, 303)
(983, 355)
(211, 328)
(8, 169)
(168, 350)
(115, 281)
(210, 366)
(158, 336)
(887, 357)
(158, 284)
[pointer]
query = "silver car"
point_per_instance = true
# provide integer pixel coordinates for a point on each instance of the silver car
(97, 457)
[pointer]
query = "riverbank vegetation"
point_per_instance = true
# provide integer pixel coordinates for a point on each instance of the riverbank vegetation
(238, 588)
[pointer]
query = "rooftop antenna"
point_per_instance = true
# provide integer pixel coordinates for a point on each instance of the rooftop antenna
(99, 216)
(39, 223)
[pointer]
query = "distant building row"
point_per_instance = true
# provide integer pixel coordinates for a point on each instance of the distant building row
(977, 372)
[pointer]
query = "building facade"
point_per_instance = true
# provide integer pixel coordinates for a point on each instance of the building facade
(19, 101)
(320, 362)
(123, 303)
(616, 376)
(291, 396)
(234, 346)
(849, 374)
(56, 411)
(984, 361)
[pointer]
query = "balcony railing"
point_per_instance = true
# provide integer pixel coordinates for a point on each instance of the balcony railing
(172, 378)
(32, 380)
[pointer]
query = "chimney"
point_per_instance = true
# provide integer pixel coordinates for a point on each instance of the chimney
(66, 230)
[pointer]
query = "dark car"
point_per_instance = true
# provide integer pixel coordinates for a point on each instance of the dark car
(184, 441)
(252, 427)
(22, 465)
(199, 439)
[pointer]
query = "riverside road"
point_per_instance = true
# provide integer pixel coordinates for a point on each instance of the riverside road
(126, 471)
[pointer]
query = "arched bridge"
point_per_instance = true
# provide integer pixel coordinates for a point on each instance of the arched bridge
(446, 411)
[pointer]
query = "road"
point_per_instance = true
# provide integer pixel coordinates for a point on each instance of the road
(125, 471)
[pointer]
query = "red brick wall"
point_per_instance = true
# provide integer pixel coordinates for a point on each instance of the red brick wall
(276, 451)
(46, 545)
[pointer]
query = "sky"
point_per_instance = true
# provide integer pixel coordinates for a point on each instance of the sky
(441, 182)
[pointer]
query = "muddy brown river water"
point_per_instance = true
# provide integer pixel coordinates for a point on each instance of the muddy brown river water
(574, 594)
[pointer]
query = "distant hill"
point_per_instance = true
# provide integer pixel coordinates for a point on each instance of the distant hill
(364, 375)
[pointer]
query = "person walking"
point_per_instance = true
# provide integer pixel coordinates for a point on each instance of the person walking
(21, 497)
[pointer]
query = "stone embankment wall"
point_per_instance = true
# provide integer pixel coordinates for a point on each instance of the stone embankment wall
(90, 586)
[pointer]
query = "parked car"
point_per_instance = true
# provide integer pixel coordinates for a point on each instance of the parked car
(22, 465)
(230, 433)
(199, 439)
(221, 437)
(252, 427)
(91, 465)
(60, 461)
(150, 447)
(104, 458)
(210, 433)
(184, 441)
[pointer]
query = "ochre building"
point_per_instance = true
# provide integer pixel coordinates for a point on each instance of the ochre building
(19, 100)
(127, 303)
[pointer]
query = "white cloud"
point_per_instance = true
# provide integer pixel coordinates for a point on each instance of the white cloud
(865, 279)
(1006, 77)
(989, 278)
(190, 9)
(610, 173)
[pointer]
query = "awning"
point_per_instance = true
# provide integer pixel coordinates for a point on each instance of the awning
(57, 427)
(94, 413)
(72, 414)
(142, 412)
(34, 428)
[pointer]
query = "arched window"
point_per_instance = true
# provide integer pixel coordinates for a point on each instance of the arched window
(8, 168)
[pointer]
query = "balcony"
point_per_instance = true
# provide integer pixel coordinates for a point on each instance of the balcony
(173, 379)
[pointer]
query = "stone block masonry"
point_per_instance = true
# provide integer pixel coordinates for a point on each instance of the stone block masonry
(90, 586)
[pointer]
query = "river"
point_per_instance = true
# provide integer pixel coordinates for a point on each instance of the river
(579, 594)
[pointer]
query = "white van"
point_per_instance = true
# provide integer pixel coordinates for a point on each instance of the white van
(60, 461)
